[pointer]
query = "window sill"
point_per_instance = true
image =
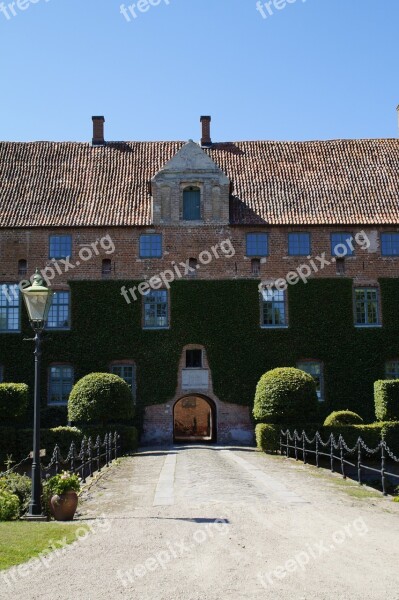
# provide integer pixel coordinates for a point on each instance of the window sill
(156, 328)
(368, 326)
(274, 326)
(10, 331)
(49, 404)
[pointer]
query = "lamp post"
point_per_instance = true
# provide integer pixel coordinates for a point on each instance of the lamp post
(37, 298)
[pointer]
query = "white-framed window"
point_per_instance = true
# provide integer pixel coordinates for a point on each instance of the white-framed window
(367, 307)
(392, 369)
(10, 301)
(315, 369)
(155, 305)
(60, 383)
(127, 372)
(59, 314)
(273, 308)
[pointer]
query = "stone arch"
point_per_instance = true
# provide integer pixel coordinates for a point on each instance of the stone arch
(194, 419)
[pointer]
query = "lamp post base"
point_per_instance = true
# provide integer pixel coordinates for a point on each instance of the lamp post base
(34, 518)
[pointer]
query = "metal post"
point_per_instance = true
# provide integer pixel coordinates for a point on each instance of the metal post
(359, 463)
(116, 445)
(281, 443)
(296, 445)
(341, 449)
(383, 482)
(317, 451)
(288, 441)
(332, 453)
(304, 447)
(35, 505)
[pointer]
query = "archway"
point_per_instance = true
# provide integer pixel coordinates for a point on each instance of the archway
(194, 419)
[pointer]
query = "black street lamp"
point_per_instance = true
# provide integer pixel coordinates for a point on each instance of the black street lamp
(37, 299)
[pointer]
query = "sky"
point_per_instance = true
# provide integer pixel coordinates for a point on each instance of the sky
(294, 70)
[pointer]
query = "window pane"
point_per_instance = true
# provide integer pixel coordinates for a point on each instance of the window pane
(60, 384)
(58, 317)
(151, 246)
(299, 244)
(341, 244)
(60, 246)
(156, 309)
(194, 359)
(127, 373)
(9, 307)
(257, 244)
(392, 369)
(390, 244)
(366, 306)
(273, 308)
(315, 369)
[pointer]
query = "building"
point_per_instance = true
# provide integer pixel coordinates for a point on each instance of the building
(190, 269)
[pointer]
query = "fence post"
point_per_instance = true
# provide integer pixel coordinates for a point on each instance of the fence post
(317, 449)
(288, 441)
(296, 445)
(359, 462)
(341, 451)
(106, 450)
(332, 453)
(98, 444)
(281, 442)
(72, 452)
(383, 482)
(82, 458)
(90, 457)
(57, 461)
(304, 447)
(116, 445)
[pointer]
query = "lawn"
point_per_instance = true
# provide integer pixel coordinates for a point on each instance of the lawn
(20, 541)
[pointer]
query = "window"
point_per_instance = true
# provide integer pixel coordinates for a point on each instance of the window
(59, 317)
(315, 369)
(255, 267)
(298, 244)
(390, 244)
(340, 266)
(341, 244)
(60, 384)
(192, 204)
(151, 245)
(366, 307)
(194, 359)
(60, 246)
(392, 369)
(106, 268)
(156, 309)
(1, 373)
(257, 244)
(22, 267)
(127, 373)
(273, 308)
(193, 264)
(9, 307)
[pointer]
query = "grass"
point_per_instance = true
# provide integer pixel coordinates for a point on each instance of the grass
(20, 541)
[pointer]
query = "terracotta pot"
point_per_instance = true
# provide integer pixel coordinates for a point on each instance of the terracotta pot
(64, 507)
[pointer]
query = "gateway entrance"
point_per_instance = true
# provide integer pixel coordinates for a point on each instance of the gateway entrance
(194, 420)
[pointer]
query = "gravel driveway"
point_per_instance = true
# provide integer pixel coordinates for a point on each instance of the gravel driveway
(217, 523)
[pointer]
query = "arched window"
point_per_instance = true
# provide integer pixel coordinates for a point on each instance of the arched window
(22, 267)
(191, 204)
(106, 267)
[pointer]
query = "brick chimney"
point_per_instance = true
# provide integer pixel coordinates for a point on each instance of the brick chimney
(98, 131)
(206, 132)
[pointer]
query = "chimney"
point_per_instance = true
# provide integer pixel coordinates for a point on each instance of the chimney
(98, 131)
(206, 141)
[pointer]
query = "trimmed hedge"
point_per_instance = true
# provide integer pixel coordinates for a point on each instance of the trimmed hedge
(285, 395)
(13, 400)
(267, 437)
(100, 398)
(386, 399)
(343, 417)
(63, 436)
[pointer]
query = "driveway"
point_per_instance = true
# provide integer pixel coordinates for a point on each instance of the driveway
(218, 523)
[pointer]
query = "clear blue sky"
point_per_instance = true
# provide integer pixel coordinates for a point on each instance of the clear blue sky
(319, 69)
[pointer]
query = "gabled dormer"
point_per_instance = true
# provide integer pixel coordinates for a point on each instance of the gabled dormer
(190, 190)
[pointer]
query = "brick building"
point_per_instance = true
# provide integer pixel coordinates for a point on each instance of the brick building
(190, 269)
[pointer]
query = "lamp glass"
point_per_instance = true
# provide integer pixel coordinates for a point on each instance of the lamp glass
(38, 300)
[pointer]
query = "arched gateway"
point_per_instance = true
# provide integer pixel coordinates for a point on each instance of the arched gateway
(194, 419)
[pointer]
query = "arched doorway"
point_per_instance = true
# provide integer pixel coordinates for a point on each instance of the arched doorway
(194, 419)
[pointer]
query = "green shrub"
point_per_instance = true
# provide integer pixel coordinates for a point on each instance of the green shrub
(20, 486)
(100, 398)
(286, 395)
(63, 436)
(343, 417)
(386, 399)
(267, 437)
(7, 444)
(13, 400)
(371, 434)
(9, 506)
(390, 433)
(62, 483)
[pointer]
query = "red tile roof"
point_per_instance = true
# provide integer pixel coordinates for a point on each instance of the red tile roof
(343, 182)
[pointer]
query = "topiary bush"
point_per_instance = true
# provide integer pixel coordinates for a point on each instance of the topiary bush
(386, 399)
(286, 395)
(100, 398)
(267, 437)
(9, 506)
(13, 400)
(342, 417)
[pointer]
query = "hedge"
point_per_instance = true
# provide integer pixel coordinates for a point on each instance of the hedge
(343, 417)
(13, 400)
(223, 316)
(285, 395)
(267, 437)
(386, 399)
(100, 398)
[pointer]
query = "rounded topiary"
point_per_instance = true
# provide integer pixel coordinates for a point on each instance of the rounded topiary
(343, 417)
(286, 395)
(100, 398)
(13, 400)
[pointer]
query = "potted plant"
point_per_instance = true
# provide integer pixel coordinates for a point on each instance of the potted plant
(62, 493)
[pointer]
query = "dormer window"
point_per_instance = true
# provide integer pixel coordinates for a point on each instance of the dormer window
(192, 204)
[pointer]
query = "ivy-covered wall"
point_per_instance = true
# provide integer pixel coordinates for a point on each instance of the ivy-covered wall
(224, 317)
